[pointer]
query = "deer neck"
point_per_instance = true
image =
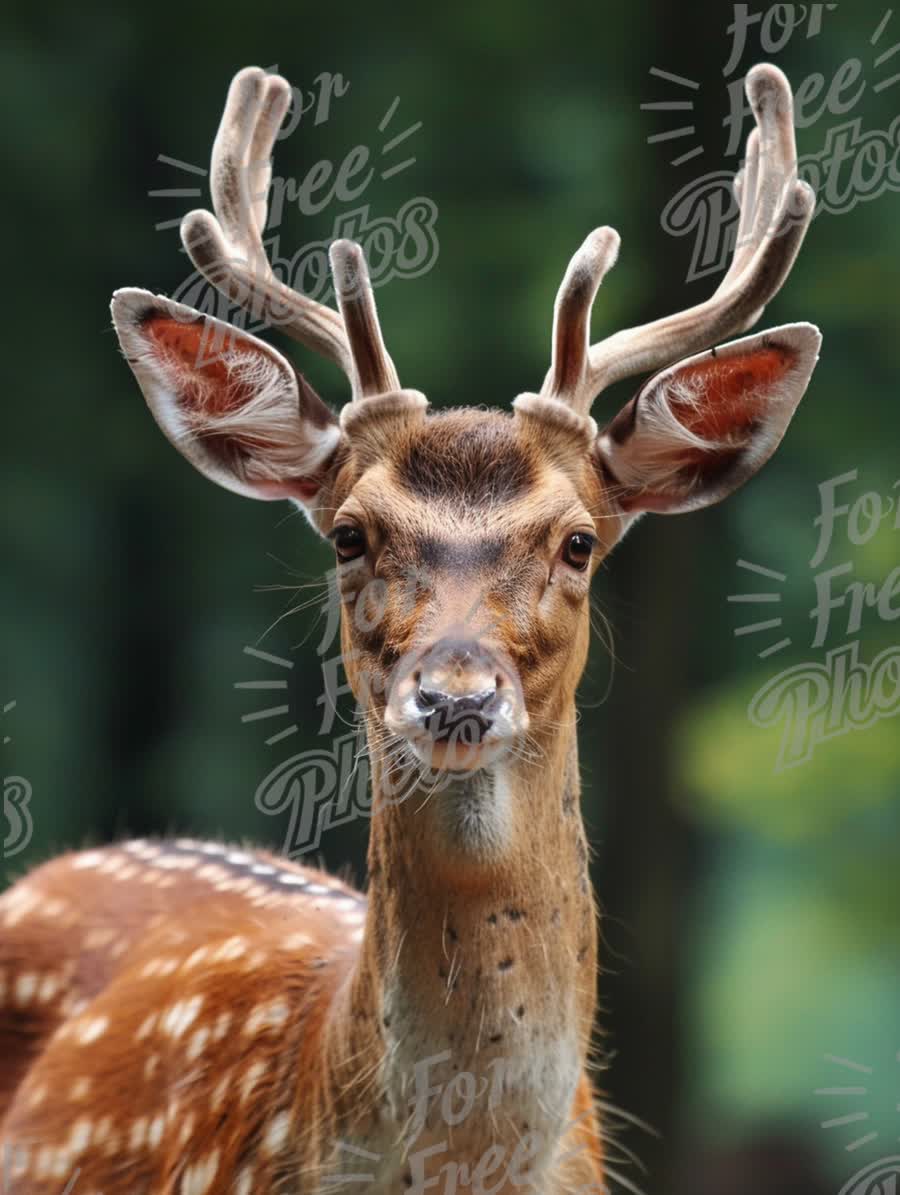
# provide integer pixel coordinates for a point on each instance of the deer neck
(478, 965)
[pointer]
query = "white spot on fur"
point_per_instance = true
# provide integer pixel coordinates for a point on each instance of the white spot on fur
(277, 1132)
(62, 1164)
(87, 860)
(146, 1026)
(296, 942)
(196, 958)
(26, 986)
(44, 1162)
(138, 1133)
(155, 1131)
(231, 949)
(197, 1179)
(18, 903)
(212, 871)
(103, 1130)
(197, 1044)
(179, 1018)
(186, 1129)
(255, 1072)
(223, 1021)
(220, 1090)
(20, 1159)
(158, 966)
(92, 1030)
(96, 939)
(267, 1016)
(49, 988)
(80, 1137)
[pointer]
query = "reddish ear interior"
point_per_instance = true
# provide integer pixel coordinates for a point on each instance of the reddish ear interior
(228, 401)
(701, 428)
(207, 386)
(735, 391)
(210, 388)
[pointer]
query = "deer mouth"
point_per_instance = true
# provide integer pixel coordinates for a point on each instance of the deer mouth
(445, 755)
(460, 745)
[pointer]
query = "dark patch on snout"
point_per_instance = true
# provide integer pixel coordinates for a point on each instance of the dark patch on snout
(460, 557)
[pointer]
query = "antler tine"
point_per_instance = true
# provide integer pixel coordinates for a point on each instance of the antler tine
(227, 247)
(776, 210)
(374, 371)
(745, 184)
(771, 162)
(572, 312)
(275, 102)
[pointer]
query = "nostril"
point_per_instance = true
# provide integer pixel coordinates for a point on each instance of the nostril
(475, 702)
(433, 699)
(468, 703)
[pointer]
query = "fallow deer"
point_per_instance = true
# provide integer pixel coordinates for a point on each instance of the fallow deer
(186, 1017)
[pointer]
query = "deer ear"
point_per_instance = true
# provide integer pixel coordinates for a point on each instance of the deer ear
(228, 402)
(701, 428)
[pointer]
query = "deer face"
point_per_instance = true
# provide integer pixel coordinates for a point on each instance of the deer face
(465, 542)
(464, 558)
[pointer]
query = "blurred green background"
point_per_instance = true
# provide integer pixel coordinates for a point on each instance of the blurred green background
(752, 916)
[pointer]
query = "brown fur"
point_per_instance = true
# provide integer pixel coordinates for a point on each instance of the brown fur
(487, 958)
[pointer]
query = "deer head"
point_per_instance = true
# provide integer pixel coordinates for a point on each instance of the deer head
(466, 540)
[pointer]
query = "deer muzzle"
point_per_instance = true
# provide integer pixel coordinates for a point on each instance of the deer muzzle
(459, 704)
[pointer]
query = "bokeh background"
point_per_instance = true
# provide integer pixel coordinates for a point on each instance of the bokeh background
(752, 916)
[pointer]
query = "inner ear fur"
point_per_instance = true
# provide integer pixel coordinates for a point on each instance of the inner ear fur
(698, 430)
(229, 402)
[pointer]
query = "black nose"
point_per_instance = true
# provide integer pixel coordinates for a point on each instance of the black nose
(464, 718)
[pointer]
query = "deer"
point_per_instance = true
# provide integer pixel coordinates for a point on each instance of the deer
(184, 1016)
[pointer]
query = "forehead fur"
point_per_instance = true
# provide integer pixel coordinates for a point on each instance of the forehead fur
(468, 457)
(464, 472)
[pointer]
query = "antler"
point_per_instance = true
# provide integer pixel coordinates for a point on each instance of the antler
(227, 247)
(775, 211)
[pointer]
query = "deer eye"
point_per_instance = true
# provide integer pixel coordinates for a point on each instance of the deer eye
(577, 550)
(349, 543)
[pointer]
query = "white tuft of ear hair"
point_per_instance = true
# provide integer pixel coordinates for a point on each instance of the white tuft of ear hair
(229, 402)
(661, 450)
